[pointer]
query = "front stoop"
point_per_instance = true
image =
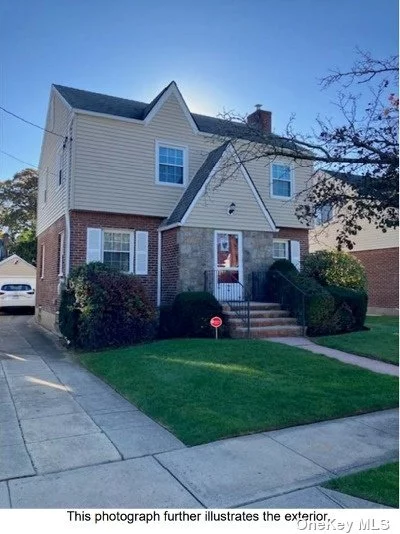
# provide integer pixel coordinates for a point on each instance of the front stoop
(267, 319)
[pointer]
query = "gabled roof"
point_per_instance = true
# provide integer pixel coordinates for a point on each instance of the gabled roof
(13, 258)
(133, 109)
(195, 185)
(203, 175)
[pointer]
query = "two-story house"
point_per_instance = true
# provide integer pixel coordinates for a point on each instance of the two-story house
(160, 192)
(378, 251)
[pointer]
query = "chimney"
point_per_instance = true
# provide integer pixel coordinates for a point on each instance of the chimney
(260, 119)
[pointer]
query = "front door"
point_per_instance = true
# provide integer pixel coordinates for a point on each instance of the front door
(228, 266)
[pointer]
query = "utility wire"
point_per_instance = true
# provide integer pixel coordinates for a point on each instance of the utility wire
(31, 123)
(17, 159)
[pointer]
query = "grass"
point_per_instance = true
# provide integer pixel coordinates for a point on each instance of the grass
(204, 390)
(380, 485)
(381, 342)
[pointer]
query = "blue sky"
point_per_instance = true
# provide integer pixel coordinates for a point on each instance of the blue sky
(223, 54)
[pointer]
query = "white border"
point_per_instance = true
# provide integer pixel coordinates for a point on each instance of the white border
(292, 180)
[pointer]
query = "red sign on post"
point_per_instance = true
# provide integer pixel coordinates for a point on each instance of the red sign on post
(216, 322)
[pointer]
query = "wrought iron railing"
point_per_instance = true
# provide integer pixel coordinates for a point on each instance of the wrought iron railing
(277, 287)
(227, 289)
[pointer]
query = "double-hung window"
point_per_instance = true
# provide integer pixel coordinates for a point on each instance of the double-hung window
(323, 214)
(171, 164)
(281, 180)
(117, 250)
(125, 250)
(280, 250)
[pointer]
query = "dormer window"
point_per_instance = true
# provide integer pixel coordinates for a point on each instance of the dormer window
(171, 164)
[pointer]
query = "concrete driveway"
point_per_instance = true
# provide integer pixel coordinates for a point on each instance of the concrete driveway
(70, 441)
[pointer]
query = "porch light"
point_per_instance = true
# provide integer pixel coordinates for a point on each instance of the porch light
(231, 208)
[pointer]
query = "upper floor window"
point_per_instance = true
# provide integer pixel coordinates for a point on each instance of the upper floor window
(171, 164)
(60, 166)
(323, 214)
(281, 180)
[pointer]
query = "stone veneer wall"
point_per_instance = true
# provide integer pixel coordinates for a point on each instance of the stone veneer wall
(196, 255)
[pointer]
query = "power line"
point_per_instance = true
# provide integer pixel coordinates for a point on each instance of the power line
(31, 123)
(17, 159)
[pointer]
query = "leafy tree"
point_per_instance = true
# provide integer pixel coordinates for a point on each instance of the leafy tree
(18, 201)
(360, 153)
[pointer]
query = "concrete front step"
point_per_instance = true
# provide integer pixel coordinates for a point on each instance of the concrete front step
(268, 331)
(253, 306)
(263, 321)
(256, 314)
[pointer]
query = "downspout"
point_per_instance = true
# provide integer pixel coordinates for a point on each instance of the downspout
(158, 267)
(71, 132)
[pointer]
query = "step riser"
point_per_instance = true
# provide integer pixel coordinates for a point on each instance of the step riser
(276, 332)
(254, 306)
(261, 314)
(277, 321)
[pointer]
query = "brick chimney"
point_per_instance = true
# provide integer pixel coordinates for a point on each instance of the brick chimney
(260, 119)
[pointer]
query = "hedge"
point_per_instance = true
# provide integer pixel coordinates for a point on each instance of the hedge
(335, 268)
(327, 310)
(102, 307)
(189, 316)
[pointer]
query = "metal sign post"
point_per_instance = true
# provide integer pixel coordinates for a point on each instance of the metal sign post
(216, 322)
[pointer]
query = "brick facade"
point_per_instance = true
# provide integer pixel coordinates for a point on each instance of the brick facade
(382, 269)
(82, 220)
(47, 286)
(170, 265)
(295, 234)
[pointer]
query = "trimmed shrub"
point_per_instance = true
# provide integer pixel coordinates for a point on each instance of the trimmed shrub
(103, 307)
(334, 268)
(191, 313)
(350, 302)
(285, 267)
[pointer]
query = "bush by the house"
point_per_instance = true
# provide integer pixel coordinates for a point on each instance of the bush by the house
(351, 307)
(103, 307)
(334, 268)
(285, 267)
(323, 310)
(190, 314)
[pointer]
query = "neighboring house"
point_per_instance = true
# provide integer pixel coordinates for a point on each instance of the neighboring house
(15, 271)
(378, 251)
(149, 188)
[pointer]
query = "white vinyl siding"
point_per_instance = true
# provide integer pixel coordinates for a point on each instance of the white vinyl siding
(54, 155)
(212, 209)
(116, 248)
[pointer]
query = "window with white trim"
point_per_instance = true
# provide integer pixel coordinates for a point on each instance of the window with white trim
(171, 164)
(60, 165)
(280, 250)
(117, 250)
(281, 180)
(42, 251)
(125, 250)
(323, 214)
(61, 254)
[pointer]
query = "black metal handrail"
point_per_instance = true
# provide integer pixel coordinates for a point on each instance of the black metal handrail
(287, 300)
(239, 303)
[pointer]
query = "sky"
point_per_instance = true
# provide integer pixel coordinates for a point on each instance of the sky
(225, 55)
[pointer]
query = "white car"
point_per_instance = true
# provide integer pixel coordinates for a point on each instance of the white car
(13, 294)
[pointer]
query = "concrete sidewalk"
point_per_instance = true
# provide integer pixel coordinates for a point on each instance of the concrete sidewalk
(366, 363)
(69, 441)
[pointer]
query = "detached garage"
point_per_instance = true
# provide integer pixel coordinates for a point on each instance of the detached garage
(17, 282)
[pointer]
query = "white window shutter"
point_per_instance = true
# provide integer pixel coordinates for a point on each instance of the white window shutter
(142, 252)
(93, 245)
(295, 253)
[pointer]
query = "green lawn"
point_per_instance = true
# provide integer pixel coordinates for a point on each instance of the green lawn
(203, 390)
(379, 485)
(381, 342)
